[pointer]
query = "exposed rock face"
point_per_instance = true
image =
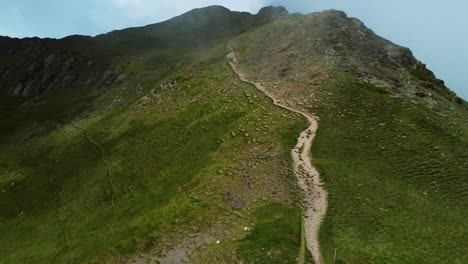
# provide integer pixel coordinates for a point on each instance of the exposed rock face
(321, 43)
(270, 13)
(31, 67)
(41, 77)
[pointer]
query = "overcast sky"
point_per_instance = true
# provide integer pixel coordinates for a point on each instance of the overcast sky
(436, 30)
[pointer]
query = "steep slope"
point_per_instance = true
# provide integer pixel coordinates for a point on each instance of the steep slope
(315, 202)
(155, 167)
(144, 146)
(392, 140)
(183, 165)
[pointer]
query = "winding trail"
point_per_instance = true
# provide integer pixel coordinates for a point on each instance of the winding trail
(307, 176)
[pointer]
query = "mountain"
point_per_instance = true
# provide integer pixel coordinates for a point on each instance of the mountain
(31, 67)
(172, 143)
(391, 146)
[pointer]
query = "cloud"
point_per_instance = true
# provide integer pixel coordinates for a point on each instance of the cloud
(164, 9)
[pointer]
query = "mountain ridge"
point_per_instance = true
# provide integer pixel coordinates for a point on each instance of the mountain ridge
(265, 15)
(383, 120)
(79, 52)
(348, 43)
(145, 146)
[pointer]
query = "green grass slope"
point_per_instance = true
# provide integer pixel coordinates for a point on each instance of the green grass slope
(392, 146)
(167, 156)
(397, 176)
(145, 167)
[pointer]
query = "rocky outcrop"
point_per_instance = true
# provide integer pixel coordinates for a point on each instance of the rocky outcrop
(271, 13)
(41, 77)
(33, 66)
(331, 41)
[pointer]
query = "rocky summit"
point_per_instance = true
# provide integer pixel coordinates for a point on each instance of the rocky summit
(227, 137)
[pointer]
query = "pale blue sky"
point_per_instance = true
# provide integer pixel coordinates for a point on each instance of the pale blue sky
(436, 30)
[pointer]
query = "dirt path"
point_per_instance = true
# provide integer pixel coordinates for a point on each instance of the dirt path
(307, 175)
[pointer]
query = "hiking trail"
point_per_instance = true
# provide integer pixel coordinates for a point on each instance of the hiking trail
(307, 176)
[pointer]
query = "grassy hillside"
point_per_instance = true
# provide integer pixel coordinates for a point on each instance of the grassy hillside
(397, 174)
(153, 150)
(392, 146)
(148, 166)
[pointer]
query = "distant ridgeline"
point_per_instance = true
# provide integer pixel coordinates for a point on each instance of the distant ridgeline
(33, 66)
